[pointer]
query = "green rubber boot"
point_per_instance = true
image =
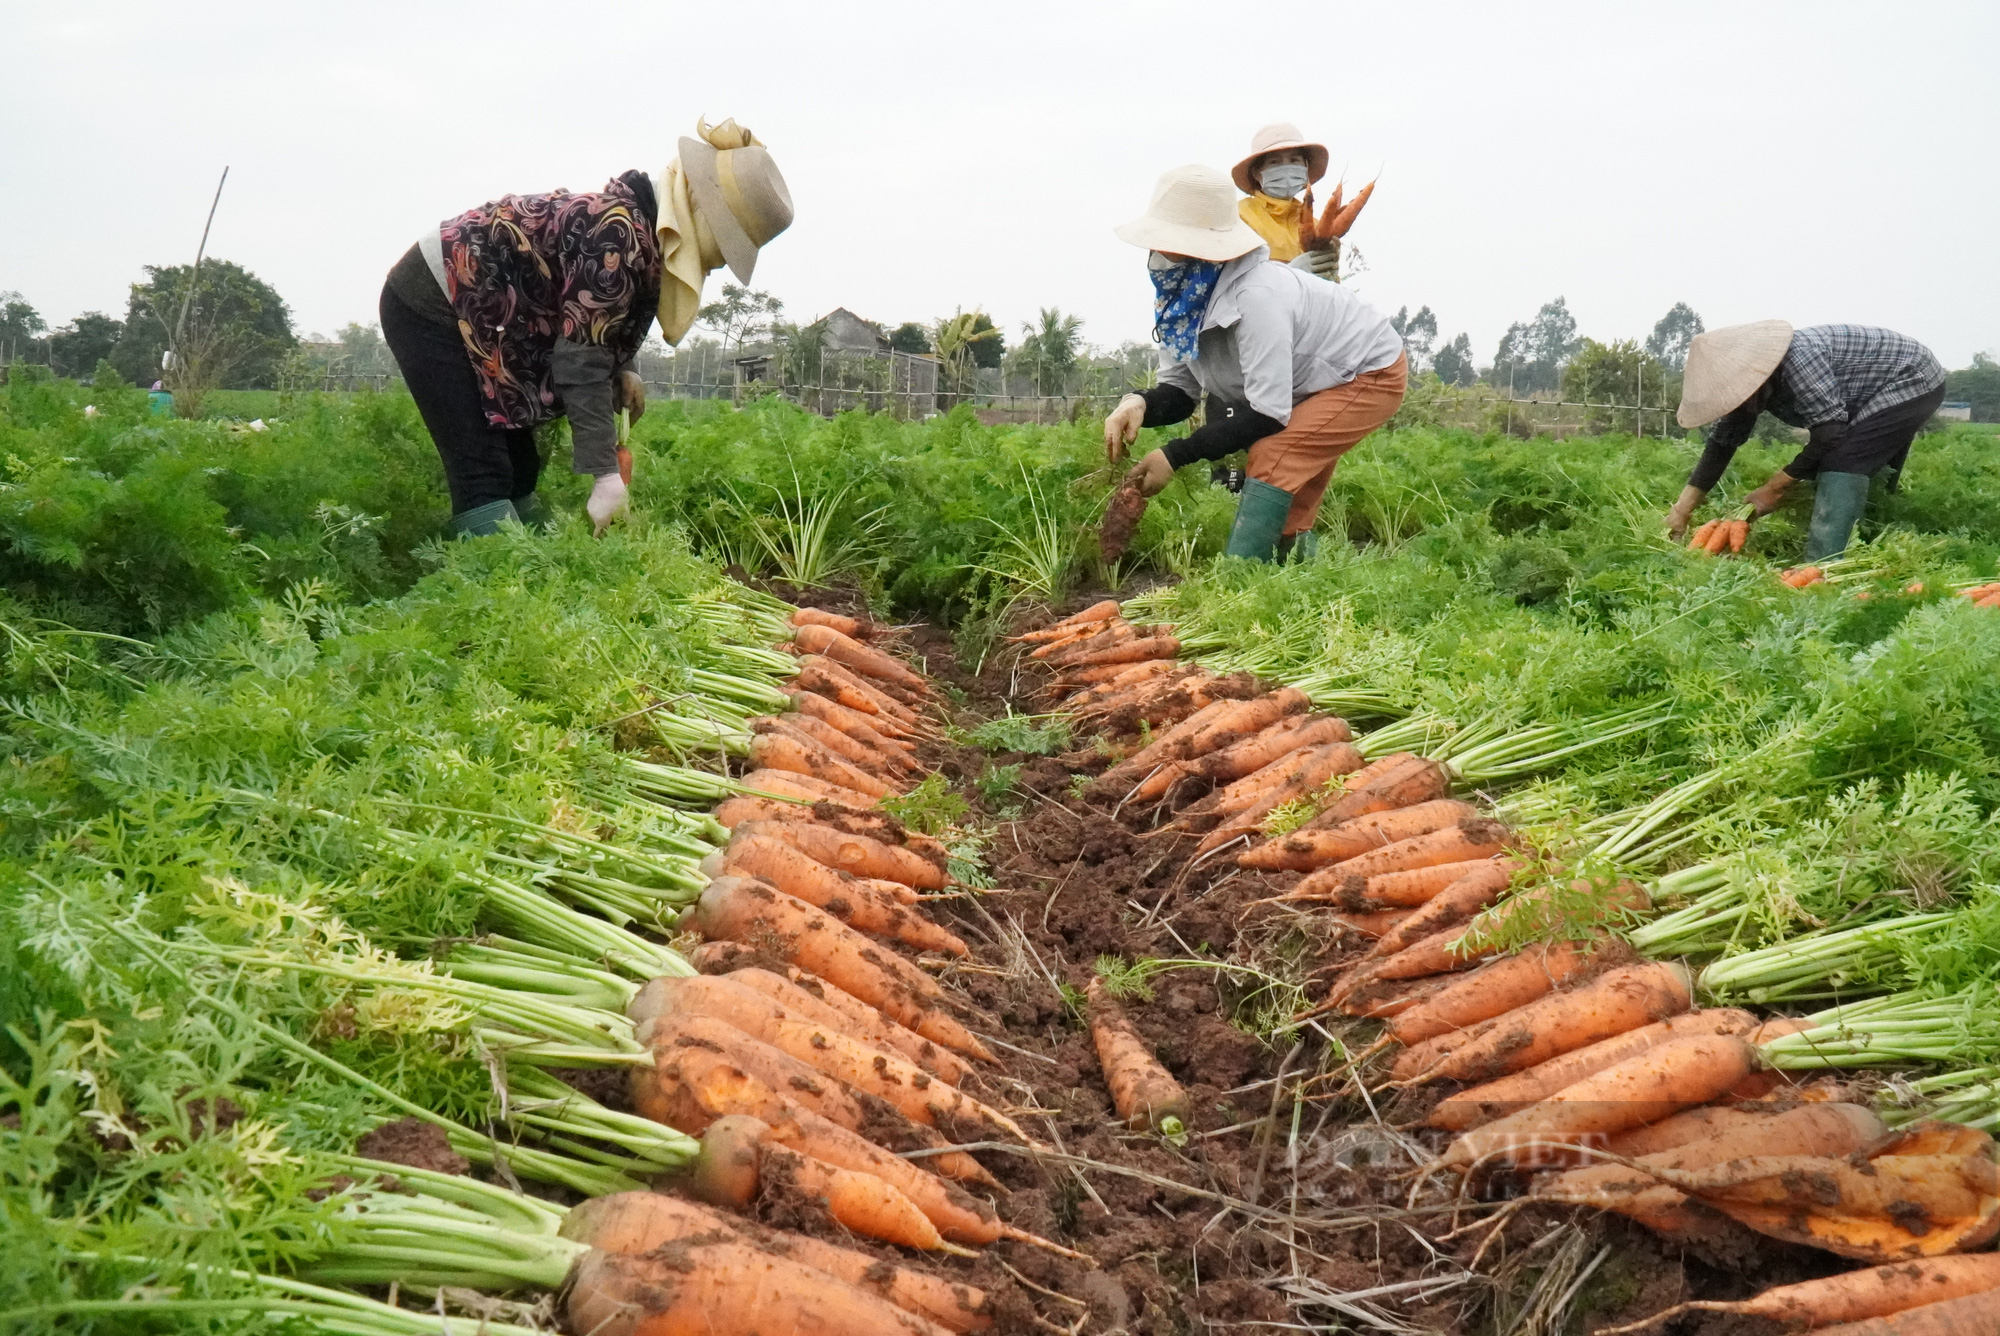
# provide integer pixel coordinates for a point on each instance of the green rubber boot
(1838, 500)
(530, 510)
(1298, 548)
(482, 520)
(1260, 520)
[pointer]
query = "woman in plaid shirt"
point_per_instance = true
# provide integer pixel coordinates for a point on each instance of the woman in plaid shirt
(1861, 393)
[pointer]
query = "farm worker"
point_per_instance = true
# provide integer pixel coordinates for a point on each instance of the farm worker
(1861, 393)
(1296, 371)
(533, 307)
(1281, 167)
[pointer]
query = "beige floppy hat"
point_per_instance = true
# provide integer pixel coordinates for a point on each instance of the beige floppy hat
(1193, 213)
(1725, 367)
(1275, 138)
(741, 197)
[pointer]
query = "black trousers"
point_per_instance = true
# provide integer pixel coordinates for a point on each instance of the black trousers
(482, 463)
(1882, 441)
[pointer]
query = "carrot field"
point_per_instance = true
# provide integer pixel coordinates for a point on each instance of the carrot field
(835, 901)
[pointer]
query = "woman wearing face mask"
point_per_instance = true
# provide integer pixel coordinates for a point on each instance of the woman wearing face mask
(1275, 177)
(1296, 371)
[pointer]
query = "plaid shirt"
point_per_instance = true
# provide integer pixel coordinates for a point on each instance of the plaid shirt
(1831, 377)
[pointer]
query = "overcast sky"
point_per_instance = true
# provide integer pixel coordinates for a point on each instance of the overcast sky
(1816, 161)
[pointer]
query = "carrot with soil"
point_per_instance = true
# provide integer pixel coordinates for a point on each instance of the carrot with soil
(802, 788)
(800, 755)
(849, 899)
(1853, 1296)
(856, 855)
(1306, 850)
(863, 659)
(722, 1289)
(1143, 1092)
(852, 627)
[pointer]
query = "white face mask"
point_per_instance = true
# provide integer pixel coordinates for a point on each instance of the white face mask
(1283, 180)
(1159, 263)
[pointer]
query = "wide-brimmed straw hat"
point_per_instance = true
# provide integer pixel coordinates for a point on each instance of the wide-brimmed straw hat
(1275, 138)
(1725, 367)
(1193, 212)
(741, 197)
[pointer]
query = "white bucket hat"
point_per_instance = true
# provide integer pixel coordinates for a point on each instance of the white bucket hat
(1725, 367)
(741, 197)
(1193, 212)
(1276, 138)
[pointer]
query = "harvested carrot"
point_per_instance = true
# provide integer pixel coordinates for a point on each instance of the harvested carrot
(813, 1089)
(1496, 1099)
(635, 1223)
(804, 788)
(740, 909)
(1114, 673)
(1929, 1189)
(808, 996)
(871, 689)
(1702, 1137)
(1108, 634)
(1614, 1002)
(864, 659)
(1476, 888)
(847, 898)
(1699, 543)
(1343, 220)
(802, 756)
(1739, 534)
(857, 855)
(1384, 999)
(1398, 780)
(824, 737)
(1312, 768)
(1131, 651)
(1246, 792)
(829, 1049)
(1254, 753)
(1400, 890)
(1372, 924)
(1258, 712)
(732, 812)
(853, 627)
(1512, 981)
(816, 678)
(1474, 840)
(1166, 747)
(1143, 1092)
(1856, 1296)
(723, 1289)
(739, 1165)
(1306, 850)
(1661, 1081)
(696, 1087)
(1097, 612)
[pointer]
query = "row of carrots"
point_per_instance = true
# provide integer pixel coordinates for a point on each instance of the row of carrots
(1577, 1058)
(811, 1055)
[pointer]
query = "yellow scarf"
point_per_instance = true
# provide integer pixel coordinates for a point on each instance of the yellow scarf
(687, 248)
(1275, 220)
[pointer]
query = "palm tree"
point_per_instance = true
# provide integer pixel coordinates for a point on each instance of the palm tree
(1049, 350)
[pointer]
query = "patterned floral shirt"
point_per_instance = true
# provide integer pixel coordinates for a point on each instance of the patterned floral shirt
(526, 270)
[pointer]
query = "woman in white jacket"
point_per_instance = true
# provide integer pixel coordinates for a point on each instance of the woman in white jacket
(1296, 370)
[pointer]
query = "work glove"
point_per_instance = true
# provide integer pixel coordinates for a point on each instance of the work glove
(609, 500)
(1121, 428)
(1319, 263)
(629, 393)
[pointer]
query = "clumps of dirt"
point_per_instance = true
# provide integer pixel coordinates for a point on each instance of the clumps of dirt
(413, 1142)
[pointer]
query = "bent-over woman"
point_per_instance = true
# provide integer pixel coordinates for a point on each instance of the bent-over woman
(533, 307)
(1295, 370)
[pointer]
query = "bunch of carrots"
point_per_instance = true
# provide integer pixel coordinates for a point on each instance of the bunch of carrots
(817, 1060)
(1983, 596)
(1718, 536)
(1334, 220)
(1573, 1057)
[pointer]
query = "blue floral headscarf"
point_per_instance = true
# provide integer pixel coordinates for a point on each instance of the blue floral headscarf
(1180, 299)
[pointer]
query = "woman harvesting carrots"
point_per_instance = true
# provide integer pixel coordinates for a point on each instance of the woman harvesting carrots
(1296, 372)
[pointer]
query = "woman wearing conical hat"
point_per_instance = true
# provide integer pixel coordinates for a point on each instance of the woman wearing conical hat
(1275, 178)
(1861, 393)
(533, 307)
(1295, 371)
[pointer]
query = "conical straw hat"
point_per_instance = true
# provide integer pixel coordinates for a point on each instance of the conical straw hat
(1725, 367)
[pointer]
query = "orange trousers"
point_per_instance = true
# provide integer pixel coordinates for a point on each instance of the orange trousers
(1325, 426)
